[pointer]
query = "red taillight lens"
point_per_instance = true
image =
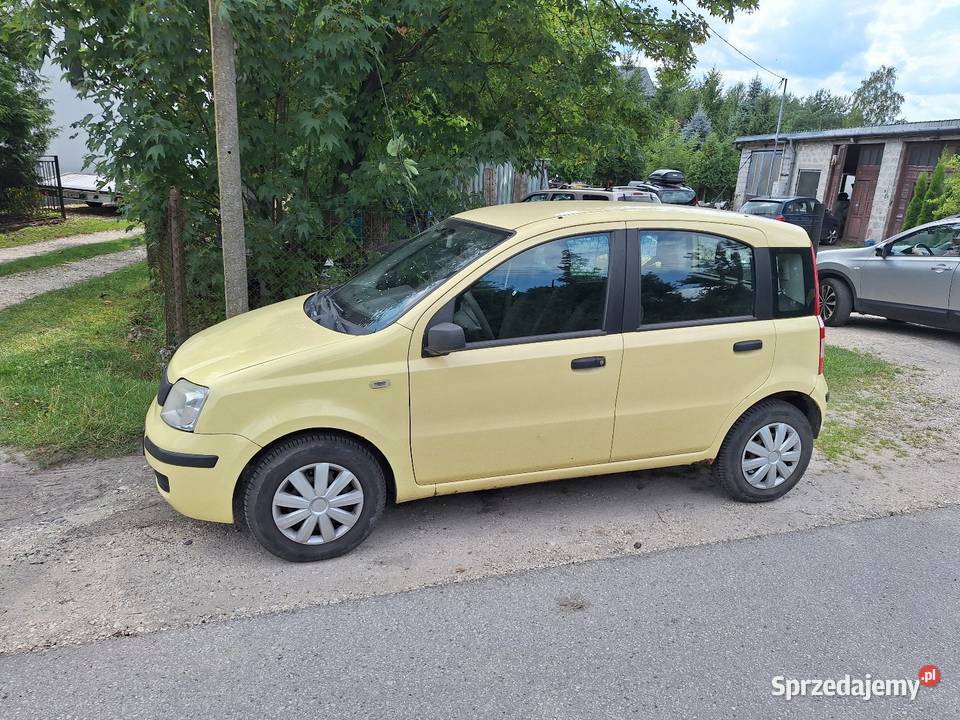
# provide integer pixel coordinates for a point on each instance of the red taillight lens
(816, 310)
(781, 218)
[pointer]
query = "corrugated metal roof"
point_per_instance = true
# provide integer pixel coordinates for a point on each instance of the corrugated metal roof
(930, 127)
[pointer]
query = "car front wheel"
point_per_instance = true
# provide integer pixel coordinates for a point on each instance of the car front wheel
(314, 497)
(836, 302)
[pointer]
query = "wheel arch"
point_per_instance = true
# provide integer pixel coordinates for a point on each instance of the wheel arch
(240, 486)
(831, 273)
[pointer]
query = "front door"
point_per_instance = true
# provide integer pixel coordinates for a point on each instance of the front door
(913, 281)
(695, 349)
(535, 388)
(801, 212)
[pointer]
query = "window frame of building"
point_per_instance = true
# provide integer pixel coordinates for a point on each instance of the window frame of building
(758, 174)
(802, 188)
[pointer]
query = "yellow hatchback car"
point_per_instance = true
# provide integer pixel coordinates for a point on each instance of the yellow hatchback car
(506, 345)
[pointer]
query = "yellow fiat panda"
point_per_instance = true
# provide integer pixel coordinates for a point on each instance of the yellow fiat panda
(506, 345)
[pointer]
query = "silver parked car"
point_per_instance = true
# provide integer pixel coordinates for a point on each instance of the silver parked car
(911, 277)
(615, 195)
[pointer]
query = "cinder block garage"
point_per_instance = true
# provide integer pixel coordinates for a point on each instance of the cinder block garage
(877, 167)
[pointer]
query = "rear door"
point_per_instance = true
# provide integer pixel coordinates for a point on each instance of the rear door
(800, 212)
(694, 347)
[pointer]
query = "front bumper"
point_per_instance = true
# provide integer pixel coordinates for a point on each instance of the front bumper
(201, 471)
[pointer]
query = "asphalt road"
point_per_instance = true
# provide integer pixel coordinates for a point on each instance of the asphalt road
(689, 633)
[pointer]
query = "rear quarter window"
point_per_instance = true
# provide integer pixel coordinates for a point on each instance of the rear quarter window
(793, 286)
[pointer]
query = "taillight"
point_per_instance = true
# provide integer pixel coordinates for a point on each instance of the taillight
(823, 345)
(816, 310)
(781, 218)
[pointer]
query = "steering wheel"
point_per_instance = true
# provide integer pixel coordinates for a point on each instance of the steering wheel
(921, 245)
(474, 307)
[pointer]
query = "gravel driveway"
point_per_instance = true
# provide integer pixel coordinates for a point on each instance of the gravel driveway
(23, 286)
(90, 550)
(49, 246)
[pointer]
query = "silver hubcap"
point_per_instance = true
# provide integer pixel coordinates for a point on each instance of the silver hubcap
(828, 301)
(317, 503)
(771, 456)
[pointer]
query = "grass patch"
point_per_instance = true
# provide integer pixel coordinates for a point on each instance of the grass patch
(78, 368)
(59, 257)
(73, 225)
(861, 387)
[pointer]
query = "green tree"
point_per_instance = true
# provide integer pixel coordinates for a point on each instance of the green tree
(876, 101)
(669, 149)
(950, 200)
(912, 214)
(326, 89)
(933, 196)
(25, 115)
(713, 172)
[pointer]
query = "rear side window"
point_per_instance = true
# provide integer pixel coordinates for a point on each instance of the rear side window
(795, 294)
(690, 276)
(676, 196)
(595, 197)
(766, 208)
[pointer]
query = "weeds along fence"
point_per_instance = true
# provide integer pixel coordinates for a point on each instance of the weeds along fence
(34, 198)
(291, 252)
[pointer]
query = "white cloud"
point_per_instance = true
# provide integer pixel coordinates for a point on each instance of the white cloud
(834, 45)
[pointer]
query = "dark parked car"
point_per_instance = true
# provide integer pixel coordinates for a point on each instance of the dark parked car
(803, 211)
(669, 185)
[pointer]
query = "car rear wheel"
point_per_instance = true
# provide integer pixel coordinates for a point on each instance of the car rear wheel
(836, 302)
(765, 453)
(831, 238)
(314, 497)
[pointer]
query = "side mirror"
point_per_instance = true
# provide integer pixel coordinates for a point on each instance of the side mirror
(882, 250)
(444, 338)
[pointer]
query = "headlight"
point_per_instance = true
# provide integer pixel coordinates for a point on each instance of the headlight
(183, 405)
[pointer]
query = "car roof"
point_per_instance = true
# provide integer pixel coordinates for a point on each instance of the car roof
(782, 199)
(555, 216)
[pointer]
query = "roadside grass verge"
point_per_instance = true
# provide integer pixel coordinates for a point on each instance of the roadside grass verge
(59, 257)
(78, 368)
(864, 389)
(73, 225)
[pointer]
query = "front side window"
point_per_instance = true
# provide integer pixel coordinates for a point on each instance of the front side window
(385, 290)
(936, 241)
(554, 288)
(689, 276)
(563, 196)
(536, 197)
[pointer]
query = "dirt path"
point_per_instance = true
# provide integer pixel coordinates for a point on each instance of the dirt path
(48, 246)
(90, 550)
(23, 286)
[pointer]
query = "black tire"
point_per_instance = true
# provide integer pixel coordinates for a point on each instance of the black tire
(94, 204)
(727, 467)
(832, 237)
(836, 302)
(274, 466)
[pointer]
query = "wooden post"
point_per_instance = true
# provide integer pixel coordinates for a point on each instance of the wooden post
(223, 57)
(175, 296)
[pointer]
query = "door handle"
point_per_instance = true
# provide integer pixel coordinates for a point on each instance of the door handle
(747, 345)
(940, 268)
(597, 361)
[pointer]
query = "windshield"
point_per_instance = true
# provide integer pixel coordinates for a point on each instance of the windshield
(388, 288)
(767, 208)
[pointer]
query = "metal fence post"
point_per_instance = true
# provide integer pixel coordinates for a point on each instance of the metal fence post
(63, 209)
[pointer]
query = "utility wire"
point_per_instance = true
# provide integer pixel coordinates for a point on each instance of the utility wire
(734, 47)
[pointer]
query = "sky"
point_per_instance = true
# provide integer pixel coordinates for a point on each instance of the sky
(834, 44)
